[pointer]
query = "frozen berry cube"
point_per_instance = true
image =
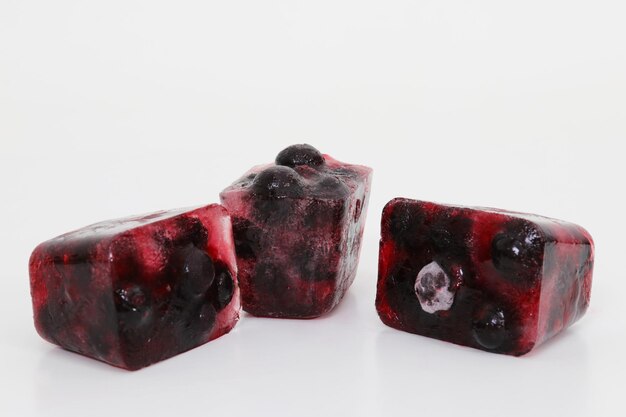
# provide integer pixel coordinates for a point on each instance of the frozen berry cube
(298, 225)
(138, 290)
(491, 279)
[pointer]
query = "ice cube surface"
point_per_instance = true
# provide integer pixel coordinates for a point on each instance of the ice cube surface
(490, 279)
(135, 291)
(298, 225)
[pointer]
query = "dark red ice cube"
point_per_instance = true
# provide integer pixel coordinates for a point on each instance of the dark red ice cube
(298, 225)
(494, 280)
(138, 290)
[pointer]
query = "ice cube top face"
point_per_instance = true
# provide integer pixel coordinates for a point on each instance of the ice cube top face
(298, 225)
(490, 279)
(135, 291)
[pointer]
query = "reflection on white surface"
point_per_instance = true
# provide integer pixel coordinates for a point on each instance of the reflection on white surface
(347, 363)
(279, 363)
(416, 371)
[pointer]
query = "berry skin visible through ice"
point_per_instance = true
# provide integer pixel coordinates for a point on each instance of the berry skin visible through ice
(296, 155)
(278, 182)
(517, 252)
(223, 286)
(489, 328)
(197, 272)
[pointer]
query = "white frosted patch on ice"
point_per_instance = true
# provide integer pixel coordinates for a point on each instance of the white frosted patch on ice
(432, 287)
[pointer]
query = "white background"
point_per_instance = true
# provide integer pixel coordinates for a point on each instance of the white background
(110, 108)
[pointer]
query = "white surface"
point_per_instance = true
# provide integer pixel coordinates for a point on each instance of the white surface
(120, 107)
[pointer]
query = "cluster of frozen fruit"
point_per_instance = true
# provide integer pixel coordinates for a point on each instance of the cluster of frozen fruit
(285, 243)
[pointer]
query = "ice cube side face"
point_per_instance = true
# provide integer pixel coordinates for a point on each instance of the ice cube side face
(135, 291)
(298, 246)
(490, 279)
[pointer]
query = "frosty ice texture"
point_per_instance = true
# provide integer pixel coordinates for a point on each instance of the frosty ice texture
(298, 225)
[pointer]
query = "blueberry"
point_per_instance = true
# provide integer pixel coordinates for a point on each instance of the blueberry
(195, 325)
(273, 212)
(443, 235)
(406, 224)
(223, 286)
(489, 327)
(197, 271)
(193, 230)
(449, 234)
(247, 238)
(517, 251)
(296, 155)
(133, 307)
(278, 182)
(130, 298)
(331, 187)
(190, 272)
